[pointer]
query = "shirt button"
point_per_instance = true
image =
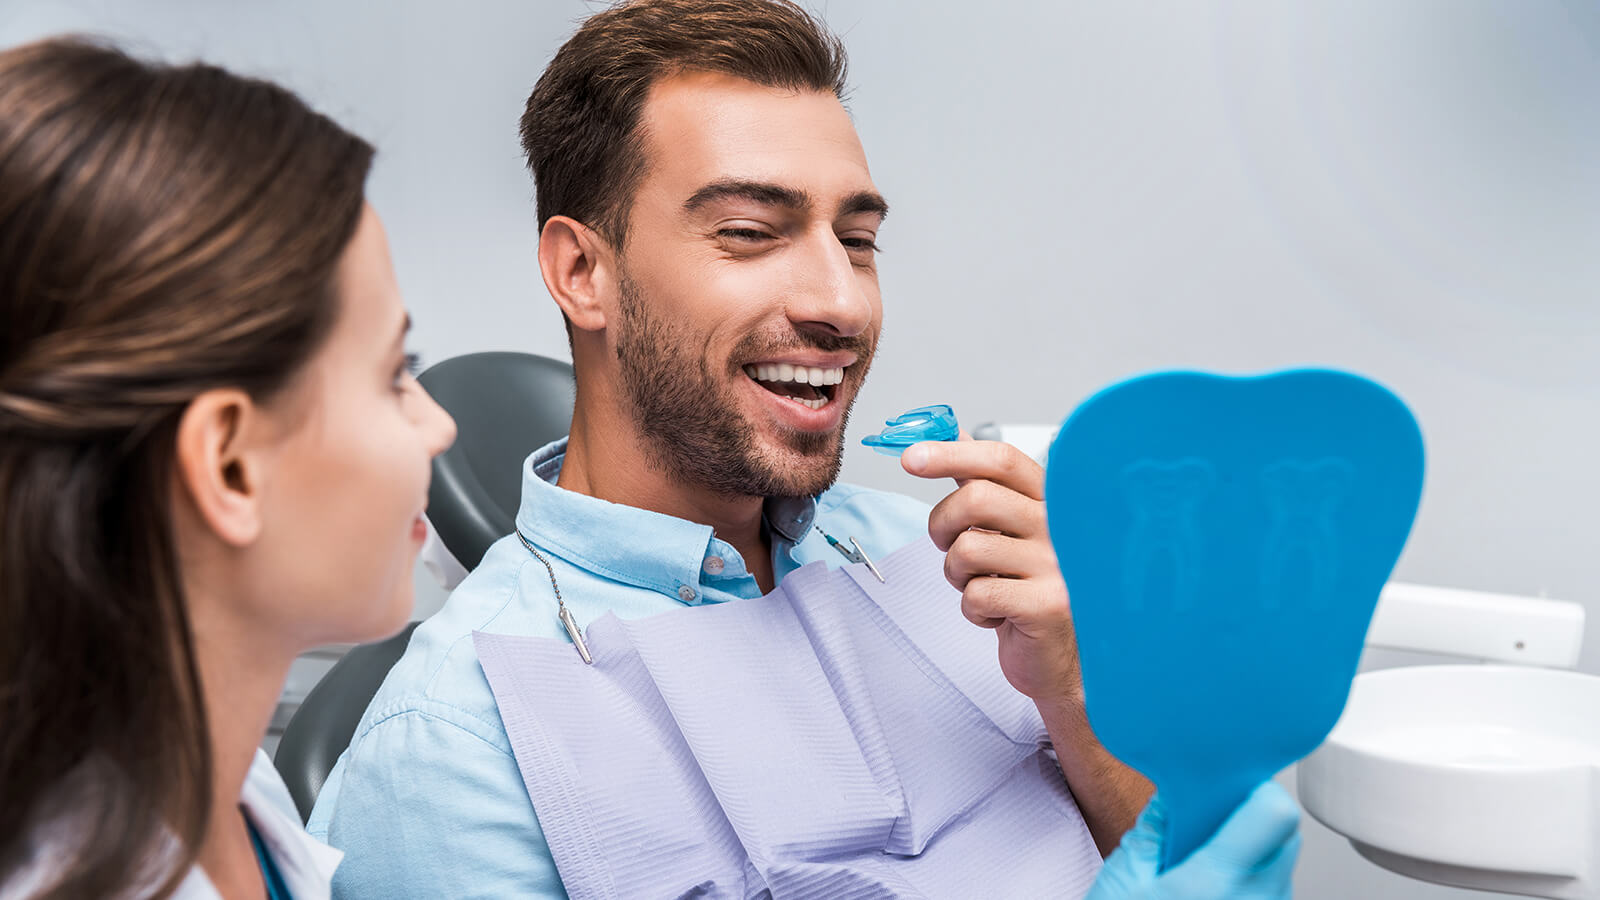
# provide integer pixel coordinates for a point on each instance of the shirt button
(713, 565)
(686, 594)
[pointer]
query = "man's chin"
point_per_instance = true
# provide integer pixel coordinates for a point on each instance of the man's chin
(803, 475)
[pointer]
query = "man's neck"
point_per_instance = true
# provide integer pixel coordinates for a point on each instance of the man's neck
(608, 461)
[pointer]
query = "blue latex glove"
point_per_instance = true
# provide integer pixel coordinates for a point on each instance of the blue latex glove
(1251, 857)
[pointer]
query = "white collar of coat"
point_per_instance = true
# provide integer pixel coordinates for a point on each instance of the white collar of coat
(306, 863)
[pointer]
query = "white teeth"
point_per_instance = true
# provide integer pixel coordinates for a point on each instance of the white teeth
(781, 372)
(818, 403)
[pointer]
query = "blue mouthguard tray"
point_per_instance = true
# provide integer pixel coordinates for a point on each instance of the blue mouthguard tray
(925, 423)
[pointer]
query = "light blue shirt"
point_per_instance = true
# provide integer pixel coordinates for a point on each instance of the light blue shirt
(428, 801)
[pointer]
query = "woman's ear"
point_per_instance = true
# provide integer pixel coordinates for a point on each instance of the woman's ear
(218, 468)
(579, 269)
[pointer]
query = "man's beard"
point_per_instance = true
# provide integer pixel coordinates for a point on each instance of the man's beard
(688, 419)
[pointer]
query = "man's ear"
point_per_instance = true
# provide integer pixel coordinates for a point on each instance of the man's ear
(217, 468)
(579, 269)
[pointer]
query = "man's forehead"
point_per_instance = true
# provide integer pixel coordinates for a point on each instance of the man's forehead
(705, 127)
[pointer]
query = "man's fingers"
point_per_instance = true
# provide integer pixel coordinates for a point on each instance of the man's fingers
(975, 554)
(986, 505)
(990, 600)
(971, 460)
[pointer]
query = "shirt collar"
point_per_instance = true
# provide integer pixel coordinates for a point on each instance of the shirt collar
(625, 543)
(790, 517)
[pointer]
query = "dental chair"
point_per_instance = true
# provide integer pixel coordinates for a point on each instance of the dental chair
(506, 405)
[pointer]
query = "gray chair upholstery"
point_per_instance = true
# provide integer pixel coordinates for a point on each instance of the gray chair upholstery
(506, 405)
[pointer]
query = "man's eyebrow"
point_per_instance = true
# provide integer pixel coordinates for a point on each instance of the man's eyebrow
(762, 192)
(864, 202)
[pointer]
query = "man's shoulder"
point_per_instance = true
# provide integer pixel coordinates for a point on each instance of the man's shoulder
(885, 515)
(844, 494)
(437, 681)
(439, 676)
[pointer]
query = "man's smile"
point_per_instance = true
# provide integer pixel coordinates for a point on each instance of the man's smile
(804, 391)
(810, 386)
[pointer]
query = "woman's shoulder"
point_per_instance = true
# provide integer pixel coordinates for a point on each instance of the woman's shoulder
(57, 829)
(57, 832)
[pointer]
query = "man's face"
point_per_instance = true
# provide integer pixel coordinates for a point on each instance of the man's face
(749, 308)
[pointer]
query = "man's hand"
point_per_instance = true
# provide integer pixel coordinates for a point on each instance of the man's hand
(999, 556)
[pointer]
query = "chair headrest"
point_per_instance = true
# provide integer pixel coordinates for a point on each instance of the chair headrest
(506, 405)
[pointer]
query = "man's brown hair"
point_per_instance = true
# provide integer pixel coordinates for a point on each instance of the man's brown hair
(580, 129)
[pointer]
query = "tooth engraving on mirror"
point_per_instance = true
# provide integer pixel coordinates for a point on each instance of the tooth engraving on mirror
(1303, 496)
(1164, 496)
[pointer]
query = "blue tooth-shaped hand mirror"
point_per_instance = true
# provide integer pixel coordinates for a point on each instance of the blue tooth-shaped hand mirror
(925, 423)
(1224, 541)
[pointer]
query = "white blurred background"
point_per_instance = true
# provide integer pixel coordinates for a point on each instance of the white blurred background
(1084, 191)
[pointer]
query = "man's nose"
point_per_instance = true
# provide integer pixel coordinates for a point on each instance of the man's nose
(833, 295)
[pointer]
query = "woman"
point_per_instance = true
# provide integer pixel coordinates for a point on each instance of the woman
(212, 458)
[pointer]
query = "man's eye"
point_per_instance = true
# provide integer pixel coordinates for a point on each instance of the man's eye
(744, 234)
(861, 243)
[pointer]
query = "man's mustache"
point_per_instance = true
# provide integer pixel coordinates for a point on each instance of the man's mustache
(768, 346)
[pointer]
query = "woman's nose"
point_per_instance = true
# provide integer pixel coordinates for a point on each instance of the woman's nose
(439, 426)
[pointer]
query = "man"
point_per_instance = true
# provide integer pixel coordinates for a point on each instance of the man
(708, 229)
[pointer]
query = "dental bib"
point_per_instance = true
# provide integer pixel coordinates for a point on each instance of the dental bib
(1224, 541)
(837, 738)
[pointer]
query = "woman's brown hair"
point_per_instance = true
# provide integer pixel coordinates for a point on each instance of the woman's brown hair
(164, 230)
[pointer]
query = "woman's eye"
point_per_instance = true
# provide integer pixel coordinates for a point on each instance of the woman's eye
(410, 367)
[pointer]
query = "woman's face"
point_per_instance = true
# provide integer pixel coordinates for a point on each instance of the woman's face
(342, 517)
